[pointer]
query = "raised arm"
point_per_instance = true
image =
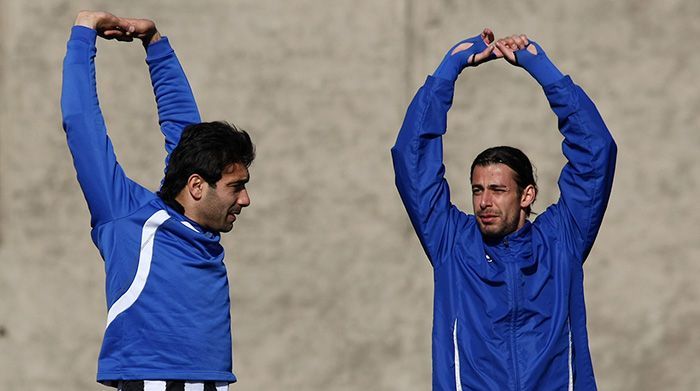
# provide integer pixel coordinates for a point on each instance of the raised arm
(176, 104)
(108, 192)
(585, 182)
(417, 154)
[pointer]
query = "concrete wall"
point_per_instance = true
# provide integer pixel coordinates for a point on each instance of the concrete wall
(330, 288)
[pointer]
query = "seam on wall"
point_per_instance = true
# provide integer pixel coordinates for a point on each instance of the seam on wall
(4, 19)
(409, 47)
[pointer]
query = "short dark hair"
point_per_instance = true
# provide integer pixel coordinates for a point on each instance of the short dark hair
(513, 158)
(205, 149)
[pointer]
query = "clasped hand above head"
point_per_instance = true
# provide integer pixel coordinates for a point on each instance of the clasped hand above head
(518, 50)
(109, 26)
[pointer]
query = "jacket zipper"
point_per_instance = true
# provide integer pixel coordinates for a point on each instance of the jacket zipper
(512, 270)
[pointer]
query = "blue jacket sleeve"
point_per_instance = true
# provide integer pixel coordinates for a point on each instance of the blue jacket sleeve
(418, 166)
(108, 192)
(585, 182)
(176, 104)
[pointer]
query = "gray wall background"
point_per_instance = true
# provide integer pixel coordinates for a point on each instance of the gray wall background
(330, 289)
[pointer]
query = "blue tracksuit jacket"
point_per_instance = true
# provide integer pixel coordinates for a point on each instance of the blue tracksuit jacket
(166, 285)
(509, 314)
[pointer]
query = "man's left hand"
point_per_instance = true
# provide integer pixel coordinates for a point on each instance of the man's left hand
(143, 29)
(469, 52)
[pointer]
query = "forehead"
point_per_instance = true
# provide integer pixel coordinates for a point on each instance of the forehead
(493, 174)
(235, 172)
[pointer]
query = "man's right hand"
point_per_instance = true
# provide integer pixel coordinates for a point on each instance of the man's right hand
(469, 52)
(520, 51)
(107, 25)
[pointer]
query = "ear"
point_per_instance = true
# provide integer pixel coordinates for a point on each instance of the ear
(528, 196)
(195, 186)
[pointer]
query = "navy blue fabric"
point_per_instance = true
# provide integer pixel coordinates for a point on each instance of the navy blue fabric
(179, 326)
(513, 305)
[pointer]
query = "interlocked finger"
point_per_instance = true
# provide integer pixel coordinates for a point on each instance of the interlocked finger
(518, 42)
(525, 39)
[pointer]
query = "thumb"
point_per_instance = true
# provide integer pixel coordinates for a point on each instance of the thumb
(506, 51)
(482, 56)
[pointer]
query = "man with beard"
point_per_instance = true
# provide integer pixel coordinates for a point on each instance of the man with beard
(509, 309)
(168, 323)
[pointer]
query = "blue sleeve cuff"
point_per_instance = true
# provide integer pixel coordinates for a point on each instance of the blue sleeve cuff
(158, 50)
(546, 72)
(84, 34)
(539, 67)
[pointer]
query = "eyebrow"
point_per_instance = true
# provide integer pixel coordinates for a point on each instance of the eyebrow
(492, 186)
(239, 182)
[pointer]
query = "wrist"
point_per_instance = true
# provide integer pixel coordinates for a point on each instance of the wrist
(158, 50)
(155, 38)
(453, 64)
(147, 41)
(458, 58)
(539, 66)
(86, 19)
(83, 34)
(544, 71)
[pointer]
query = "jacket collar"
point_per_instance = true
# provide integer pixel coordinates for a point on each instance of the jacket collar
(513, 243)
(514, 248)
(186, 221)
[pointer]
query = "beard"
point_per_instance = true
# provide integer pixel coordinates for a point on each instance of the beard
(215, 214)
(498, 228)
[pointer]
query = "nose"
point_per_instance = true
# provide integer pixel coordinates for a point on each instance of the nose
(485, 201)
(244, 198)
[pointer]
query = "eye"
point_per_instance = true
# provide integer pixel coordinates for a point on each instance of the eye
(236, 187)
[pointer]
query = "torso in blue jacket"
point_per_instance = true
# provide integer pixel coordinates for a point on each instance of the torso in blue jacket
(509, 314)
(166, 285)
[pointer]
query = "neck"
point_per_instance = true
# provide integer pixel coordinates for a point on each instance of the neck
(175, 204)
(185, 207)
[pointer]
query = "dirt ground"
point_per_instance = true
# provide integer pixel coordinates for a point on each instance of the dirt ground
(330, 288)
